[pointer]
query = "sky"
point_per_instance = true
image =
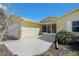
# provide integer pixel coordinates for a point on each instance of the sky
(39, 11)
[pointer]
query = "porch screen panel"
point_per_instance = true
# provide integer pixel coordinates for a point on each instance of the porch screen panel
(44, 28)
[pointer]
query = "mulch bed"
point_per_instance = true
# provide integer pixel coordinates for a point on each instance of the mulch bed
(65, 50)
(52, 51)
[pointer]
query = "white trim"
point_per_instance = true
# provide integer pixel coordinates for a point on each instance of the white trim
(69, 26)
(51, 28)
(47, 23)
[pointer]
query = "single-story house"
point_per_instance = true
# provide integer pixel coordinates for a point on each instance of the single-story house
(19, 27)
(68, 22)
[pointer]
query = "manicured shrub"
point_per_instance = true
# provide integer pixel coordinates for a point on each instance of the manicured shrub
(64, 37)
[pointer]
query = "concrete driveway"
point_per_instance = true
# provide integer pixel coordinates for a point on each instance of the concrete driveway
(29, 46)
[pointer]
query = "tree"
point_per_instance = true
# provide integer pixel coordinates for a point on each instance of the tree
(4, 18)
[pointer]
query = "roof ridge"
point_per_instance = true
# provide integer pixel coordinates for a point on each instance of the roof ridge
(48, 17)
(30, 20)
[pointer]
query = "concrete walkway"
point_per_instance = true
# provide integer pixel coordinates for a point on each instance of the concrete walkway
(29, 46)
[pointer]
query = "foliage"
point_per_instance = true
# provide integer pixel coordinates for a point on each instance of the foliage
(72, 53)
(64, 37)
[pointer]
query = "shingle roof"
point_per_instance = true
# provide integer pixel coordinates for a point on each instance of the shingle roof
(54, 19)
(48, 19)
(29, 20)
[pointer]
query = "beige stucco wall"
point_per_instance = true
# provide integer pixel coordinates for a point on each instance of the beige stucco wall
(62, 22)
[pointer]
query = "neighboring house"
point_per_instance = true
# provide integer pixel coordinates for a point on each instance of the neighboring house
(69, 22)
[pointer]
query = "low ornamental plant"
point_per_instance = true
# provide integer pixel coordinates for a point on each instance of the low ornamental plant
(64, 37)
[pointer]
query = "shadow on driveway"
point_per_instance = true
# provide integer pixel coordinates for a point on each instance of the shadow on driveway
(47, 37)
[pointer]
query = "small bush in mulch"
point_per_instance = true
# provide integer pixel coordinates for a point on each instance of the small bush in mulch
(68, 45)
(69, 41)
(64, 37)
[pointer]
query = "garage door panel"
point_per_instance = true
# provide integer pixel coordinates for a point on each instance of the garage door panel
(28, 32)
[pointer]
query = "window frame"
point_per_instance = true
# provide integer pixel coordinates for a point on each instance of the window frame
(75, 26)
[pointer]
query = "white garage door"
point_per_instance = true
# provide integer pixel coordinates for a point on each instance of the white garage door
(28, 32)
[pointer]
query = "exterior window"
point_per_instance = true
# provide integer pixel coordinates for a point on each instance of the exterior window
(75, 26)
